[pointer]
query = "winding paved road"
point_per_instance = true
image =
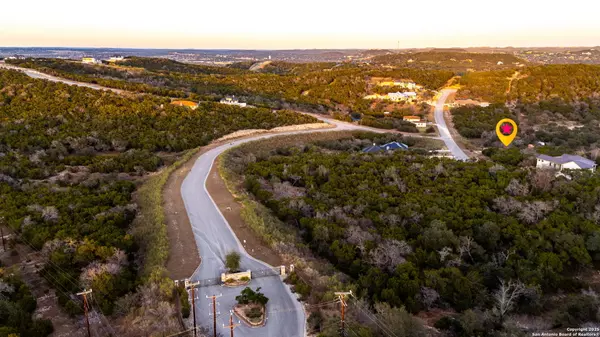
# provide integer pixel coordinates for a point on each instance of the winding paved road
(39, 75)
(215, 238)
(457, 152)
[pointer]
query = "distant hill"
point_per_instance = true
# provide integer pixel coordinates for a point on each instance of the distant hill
(451, 60)
(375, 52)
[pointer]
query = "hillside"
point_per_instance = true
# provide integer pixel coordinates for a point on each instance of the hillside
(456, 61)
(71, 160)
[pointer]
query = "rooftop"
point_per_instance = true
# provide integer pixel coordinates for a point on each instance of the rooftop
(185, 103)
(582, 162)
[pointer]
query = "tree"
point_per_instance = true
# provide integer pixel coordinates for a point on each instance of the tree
(249, 296)
(232, 262)
(506, 296)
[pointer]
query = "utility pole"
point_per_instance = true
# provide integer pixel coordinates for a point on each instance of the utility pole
(193, 286)
(342, 297)
(231, 326)
(84, 293)
(214, 314)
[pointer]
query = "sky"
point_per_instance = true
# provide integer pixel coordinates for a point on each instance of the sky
(305, 24)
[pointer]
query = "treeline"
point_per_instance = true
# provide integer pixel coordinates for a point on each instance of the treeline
(490, 86)
(435, 233)
(474, 121)
(69, 158)
(569, 82)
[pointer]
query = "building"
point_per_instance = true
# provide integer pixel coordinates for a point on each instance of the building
(402, 96)
(189, 104)
(231, 100)
(420, 124)
(411, 119)
(391, 146)
(89, 60)
(114, 59)
(394, 146)
(372, 149)
(565, 162)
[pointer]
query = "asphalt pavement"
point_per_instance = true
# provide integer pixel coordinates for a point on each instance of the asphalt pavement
(445, 135)
(215, 238)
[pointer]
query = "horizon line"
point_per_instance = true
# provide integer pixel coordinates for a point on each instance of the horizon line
(291, 49)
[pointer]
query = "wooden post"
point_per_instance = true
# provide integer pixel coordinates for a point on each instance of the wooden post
(84, 293)
(193, 286)
(342, 296)
(231, 326)
(214, 305)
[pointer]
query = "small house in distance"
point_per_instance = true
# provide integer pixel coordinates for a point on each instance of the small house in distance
(231, 100)
(566, 161)
(416, 120)
(114, 59)
(89, 60)
(189, 104)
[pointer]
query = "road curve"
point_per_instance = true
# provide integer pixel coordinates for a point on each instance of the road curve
(39, 75)
(445, 135)
(215, 238)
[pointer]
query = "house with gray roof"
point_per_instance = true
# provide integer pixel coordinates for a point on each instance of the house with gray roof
(391, 146)
(565, 162)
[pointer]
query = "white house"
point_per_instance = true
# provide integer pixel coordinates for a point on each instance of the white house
(420, 124)
(565, 162)
(231, 100)
(401, 96)
(114, 59)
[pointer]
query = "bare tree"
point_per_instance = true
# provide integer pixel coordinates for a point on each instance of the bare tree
(357, 236)
(541, 180)
(506, 296)
(499, 259)
(515, 188)
(429, 296)
(444, 253)
(533, 212)
(466, 246)
(389, 254)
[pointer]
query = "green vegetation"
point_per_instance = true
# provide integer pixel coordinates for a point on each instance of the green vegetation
(232, 262)
(490, 86)
(17, 305)
(71, 159)
(424, 233)
(317, 87)
(249, 296)
(451, 60)
(569, 82)
(475, 122)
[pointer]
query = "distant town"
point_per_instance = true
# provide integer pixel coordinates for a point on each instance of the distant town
(589, 55)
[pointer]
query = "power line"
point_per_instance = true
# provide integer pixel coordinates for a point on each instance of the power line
(375, 320)
(60, 287)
